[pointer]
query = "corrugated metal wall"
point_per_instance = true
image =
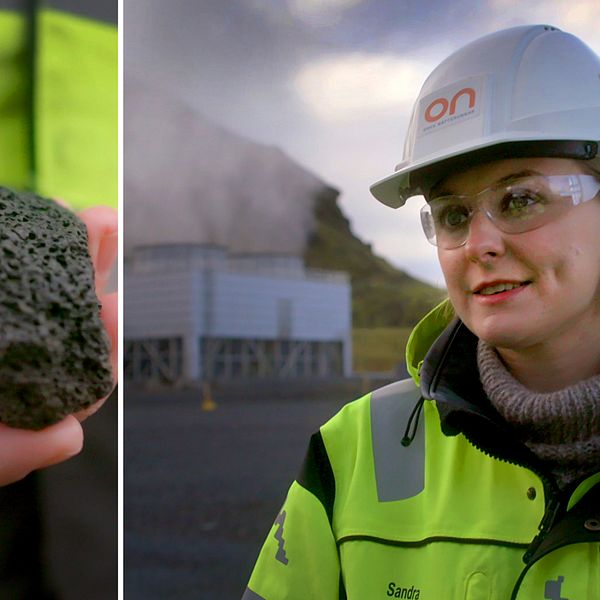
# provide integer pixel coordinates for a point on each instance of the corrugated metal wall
(160, 304)
(247, 306)
(184, 306)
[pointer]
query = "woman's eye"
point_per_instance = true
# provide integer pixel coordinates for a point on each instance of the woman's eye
(451, 217)
(517, 203)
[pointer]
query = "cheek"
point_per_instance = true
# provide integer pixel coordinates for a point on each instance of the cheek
(584, 267)
(579, 262)
(573, 275)
(581, 259)
(453, 271)
(447, 267)
(546, 255)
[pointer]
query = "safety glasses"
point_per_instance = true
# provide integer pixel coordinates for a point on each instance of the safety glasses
(516, 206)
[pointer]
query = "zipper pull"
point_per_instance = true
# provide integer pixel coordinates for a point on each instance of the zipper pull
(545, 525)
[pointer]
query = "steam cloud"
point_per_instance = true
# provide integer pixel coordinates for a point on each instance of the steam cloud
(189, 181)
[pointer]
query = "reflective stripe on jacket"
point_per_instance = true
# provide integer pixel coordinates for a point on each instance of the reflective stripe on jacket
(461, 511)
(59, 99)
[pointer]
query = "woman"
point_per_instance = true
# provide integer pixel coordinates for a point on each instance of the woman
(483, 482)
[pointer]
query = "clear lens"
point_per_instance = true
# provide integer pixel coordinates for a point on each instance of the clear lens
(516, 207)
(427, 224)
(446, 221)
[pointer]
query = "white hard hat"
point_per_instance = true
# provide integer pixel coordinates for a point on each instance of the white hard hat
(527, 91)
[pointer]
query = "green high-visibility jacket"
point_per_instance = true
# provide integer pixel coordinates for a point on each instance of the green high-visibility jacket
(58, 137)
(419, 491)
(59, 99)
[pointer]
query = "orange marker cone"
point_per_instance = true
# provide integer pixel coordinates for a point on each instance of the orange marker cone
(208, 404)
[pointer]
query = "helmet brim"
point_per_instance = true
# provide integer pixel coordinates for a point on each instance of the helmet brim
(419, 178)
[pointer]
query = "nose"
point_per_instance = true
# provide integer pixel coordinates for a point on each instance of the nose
(484, 239)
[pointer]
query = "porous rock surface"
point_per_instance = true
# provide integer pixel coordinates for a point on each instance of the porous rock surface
(54, 350)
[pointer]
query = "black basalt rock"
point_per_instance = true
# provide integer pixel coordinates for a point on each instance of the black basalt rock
(54, 350)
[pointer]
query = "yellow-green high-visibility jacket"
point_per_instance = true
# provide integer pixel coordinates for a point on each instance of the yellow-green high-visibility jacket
(59, 99)
(422, 493)
(58, 137)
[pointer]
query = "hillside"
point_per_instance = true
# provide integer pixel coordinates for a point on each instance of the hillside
(382, 296)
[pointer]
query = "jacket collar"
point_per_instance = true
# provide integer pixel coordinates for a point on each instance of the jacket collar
(450, 376)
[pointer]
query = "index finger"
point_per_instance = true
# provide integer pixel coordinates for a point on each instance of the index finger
(102, 226)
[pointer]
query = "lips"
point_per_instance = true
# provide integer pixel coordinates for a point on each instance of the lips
(497, 287)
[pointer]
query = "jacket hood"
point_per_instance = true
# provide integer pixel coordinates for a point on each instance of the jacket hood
(427, 330)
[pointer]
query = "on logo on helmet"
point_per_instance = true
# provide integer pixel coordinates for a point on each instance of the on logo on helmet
(439, 107)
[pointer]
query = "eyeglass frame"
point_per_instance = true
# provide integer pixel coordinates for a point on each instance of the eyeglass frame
(586, 186)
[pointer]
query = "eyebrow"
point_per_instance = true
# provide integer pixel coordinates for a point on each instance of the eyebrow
(518, 175)
(505, 179)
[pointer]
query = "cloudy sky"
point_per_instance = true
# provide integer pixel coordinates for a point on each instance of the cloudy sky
(331, 82)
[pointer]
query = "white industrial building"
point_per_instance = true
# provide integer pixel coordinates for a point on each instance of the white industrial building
(193, 312)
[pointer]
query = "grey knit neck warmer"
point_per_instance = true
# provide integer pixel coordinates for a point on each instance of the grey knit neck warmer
(562, 427)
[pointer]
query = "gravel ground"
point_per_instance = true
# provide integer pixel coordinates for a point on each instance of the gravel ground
(203, 488)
